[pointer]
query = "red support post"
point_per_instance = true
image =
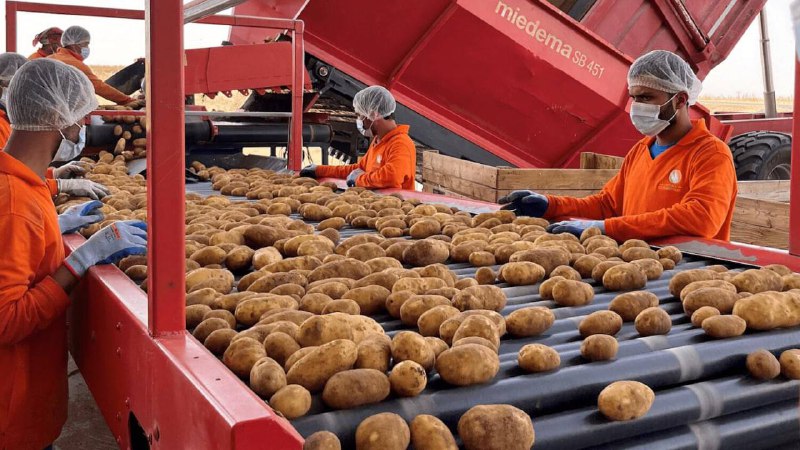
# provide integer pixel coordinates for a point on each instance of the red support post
(295, 150)
(11, 27)
(165, 167)
(794, 189)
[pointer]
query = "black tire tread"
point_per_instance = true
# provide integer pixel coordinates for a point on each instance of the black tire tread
(751, 150)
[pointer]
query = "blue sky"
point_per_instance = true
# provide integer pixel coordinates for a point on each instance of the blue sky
(117, 42)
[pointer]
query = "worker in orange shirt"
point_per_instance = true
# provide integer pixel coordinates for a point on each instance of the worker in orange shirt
(390, 161)
(678, 180)
(9, 63)
(50, 40)
(75, 49)
(47, 103)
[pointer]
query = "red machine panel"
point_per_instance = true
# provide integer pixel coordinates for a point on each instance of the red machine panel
(516, 77)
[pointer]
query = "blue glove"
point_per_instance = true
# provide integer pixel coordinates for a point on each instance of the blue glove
(525, 203)
(351, 179)
(576, 227)
(309, 171)
(79, 216)
(109, 245)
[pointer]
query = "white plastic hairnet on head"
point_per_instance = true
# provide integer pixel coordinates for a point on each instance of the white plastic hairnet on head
(666, 72)
(374, 102)
(75, 35)
(10, 62)
(46, 94)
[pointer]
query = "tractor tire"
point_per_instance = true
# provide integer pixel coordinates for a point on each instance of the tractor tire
(762, 155)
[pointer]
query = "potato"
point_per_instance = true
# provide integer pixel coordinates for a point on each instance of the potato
(572, 293)
(267, 377)
(223, 314)
(548, 257)
(407, 345)
(653, 321)
(424, 229)
(546, 287)
(318, 330)
(522, 273)
(242, 354)
(769, 310)
(599, 347)
(354, 388)
(195, 314)
(292, 401)
(538, 358)
(724, 326)
(138, 272)
(671, 253)
(702, 314)
(313, 370)
(496, 427)
(447, 292)
(637, 253)
(652, 268)
(426, 252)
(530, 321)
(415, 306)
(384, 431)
(482, 259)
(625, 400)
(567, 272)
(720, 284)
(763, 365)
(480, 297)
(757, 280)
(220, 280)
(240, 258)
(370, 299)
(624, 277)
(408, 379)
(600, 322)
(207, 326)
(322, 440)
(602, 267)
(478, 326)
(365, 252)
(464, 283)
(333, 289)
(258, 236)
(266, 256)
(227, 302)
(485, 275)
(219, 340)
(666, 263)
(334, 222)
(250, 310)
(374, 353)
(791, 282)
(790, 364)
(383, 279)
(630, 304)
(584, 265)
(314, 303)
(289, 289)
(721, 299)
(436, 344)
(467, 365)
(345, 306)
(347, 268)
(683, 279)
(430, 433)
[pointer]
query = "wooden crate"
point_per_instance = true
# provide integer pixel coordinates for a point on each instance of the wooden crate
(761, 215)
(446, 174)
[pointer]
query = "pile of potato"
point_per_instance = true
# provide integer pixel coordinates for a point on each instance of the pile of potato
(131, 132)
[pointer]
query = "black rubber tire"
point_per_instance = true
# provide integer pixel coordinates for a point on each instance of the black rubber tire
(762, 155)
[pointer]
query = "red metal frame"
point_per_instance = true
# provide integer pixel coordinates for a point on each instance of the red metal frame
(794, 189)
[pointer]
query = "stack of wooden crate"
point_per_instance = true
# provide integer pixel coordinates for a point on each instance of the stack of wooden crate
(761, 216)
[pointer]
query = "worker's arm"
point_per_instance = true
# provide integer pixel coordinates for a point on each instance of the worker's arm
(701, 212)
(26, 308)
(606, 203)
(339, 171)
(395, 168)
(50, 181)
(103, 89)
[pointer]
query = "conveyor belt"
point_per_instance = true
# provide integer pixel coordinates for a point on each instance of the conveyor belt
(704, 397)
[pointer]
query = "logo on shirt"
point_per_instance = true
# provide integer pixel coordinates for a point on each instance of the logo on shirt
(675, 176)
(379, 159)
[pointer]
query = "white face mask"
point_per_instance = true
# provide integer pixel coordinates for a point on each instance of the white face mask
(84, 52)
(69, 150)
(360, 126)
(645, 117)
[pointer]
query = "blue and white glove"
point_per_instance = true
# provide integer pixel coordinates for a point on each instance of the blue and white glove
(309, 171)
(351, 179)
(525, 203)
(109, 245)
(576, 227)
(82, 188)
(79, 216)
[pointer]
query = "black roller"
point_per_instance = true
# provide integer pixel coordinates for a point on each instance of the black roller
(255, 134)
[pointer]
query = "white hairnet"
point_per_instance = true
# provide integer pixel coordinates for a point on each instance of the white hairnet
(10, 62)
(75, 35)
(666, 72)
(46, 94)
(374, 102)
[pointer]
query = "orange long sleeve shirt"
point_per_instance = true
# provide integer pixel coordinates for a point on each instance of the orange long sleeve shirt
(38, 54)
(391, 163)
(33, 324)
(102, 89)
(5, 128)
(688, 190)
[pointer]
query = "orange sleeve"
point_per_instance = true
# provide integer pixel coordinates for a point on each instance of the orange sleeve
(701, 212)
(101, 88)
(606, 203)
(5, 129)
(339, 171)
(394, 170)
(26, 306)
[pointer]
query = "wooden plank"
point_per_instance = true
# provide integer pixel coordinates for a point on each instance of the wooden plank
(580, 193)
(459, 168)
(436, 189)
(539, 179)
(591, 160)
(762, 213)
(755, 235)
(464, 187)
(763, 186)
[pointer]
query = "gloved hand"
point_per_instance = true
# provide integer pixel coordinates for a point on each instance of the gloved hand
(135, 104)
(576, 227)
(82, 188)
(351, 179)
(71, 169)
(109, 245)
(525, 203)
(79, 216)
(309, 171)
